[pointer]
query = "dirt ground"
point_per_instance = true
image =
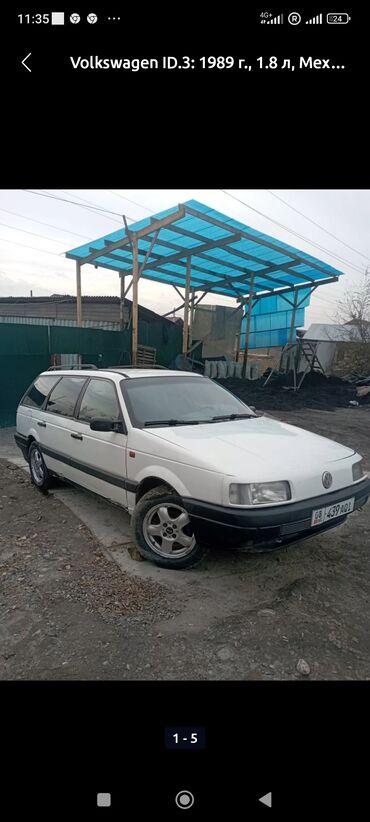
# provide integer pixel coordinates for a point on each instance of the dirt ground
(67, 611)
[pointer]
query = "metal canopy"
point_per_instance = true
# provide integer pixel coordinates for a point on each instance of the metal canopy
(197, 248)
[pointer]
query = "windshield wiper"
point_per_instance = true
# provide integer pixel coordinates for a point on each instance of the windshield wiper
(233, 417)
(171, 422)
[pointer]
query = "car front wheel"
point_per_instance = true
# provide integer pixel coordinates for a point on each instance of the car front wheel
(163, 530)
(39, 473)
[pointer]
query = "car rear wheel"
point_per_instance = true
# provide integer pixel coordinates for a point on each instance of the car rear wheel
(163, 530)
(39, 473)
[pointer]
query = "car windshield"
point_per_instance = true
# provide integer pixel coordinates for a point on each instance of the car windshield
(180, 400)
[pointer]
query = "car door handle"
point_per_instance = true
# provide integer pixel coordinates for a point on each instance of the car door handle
(77, 436)
(42, 424)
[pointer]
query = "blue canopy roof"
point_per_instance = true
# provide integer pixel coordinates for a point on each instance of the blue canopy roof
(225, 253)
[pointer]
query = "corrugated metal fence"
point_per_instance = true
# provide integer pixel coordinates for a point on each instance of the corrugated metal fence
(25, 350)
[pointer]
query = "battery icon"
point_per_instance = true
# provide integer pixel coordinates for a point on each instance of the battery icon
(337, 19)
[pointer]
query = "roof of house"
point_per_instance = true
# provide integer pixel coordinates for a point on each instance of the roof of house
(327, 332)
(145, 313)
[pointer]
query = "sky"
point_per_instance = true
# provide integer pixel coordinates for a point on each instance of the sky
(37, 227)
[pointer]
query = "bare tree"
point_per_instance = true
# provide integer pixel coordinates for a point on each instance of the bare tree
(354, 308)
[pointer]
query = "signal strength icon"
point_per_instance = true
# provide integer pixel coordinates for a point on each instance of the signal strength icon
(276, 20)
(317, 19)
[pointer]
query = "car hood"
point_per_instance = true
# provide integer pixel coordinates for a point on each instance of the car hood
(259, 445)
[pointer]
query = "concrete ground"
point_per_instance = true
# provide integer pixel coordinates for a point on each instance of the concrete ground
(77, 604)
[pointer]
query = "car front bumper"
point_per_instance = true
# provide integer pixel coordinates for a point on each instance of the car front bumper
(270, 527)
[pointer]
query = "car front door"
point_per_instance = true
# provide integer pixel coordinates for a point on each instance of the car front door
(100, 456)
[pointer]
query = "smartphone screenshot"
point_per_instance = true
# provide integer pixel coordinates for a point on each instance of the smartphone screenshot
(184, 411)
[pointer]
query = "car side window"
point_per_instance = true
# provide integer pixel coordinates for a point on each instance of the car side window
(99, 400)
(39, 390)
(64, 396)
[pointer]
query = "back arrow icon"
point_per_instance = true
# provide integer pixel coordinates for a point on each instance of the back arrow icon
(266, 799)
(24, 61)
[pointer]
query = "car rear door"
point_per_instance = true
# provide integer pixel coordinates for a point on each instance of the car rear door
(99, 457)
(56, 424)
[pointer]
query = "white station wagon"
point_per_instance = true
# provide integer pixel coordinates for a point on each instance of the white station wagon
(193, 464)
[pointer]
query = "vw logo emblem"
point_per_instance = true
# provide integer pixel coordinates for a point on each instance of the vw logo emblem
(327, 479)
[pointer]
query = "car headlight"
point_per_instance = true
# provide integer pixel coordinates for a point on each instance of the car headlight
(259, 493)
(358, 470)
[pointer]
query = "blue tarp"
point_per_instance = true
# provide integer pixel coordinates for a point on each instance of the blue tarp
(276, 331)
(271, 320)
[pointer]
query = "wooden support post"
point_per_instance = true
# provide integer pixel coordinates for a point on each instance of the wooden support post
(78, 293)
(122, 303)
(185, 330)
(294, 312)
(134, 308)
(192, 308)
(247, 332)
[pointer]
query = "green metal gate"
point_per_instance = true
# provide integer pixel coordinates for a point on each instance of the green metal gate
(25, 350)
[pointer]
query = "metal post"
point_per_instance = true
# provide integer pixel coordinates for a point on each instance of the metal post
(122, 303)
(247, 332)
(134, 309)
(237, 346)
(78, 293)
(294, 311)
(185, 330)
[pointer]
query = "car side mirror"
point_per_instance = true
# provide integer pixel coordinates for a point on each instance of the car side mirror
(105, 424)
(101, 424)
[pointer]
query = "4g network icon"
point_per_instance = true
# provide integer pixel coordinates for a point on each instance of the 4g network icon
(294, 18)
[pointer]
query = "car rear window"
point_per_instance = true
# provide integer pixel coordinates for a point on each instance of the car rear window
(64, 396)
(37, 393)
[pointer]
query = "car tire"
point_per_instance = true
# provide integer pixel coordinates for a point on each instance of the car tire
(163, 531)
(39, 473)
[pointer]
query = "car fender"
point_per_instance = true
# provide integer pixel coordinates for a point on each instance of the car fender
(33, 434)
(165, 474)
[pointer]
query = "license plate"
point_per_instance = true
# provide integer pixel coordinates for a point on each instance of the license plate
(338, 509)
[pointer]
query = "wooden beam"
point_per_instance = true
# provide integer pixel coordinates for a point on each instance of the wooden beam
(78, 293)
(199, 300)
(185, 330)
(247, 257)
(246, 274)
(134, 307)
(237, 346)
(178, 291)
(184, 252)
(262, 274)
(128, 234)
(243, 254)
(128, 288)
(247, 332)
(279, 292)
(192, 299)
(148, 253)
(122, 302)
(247, 236)
(294, 312)
(156, 224)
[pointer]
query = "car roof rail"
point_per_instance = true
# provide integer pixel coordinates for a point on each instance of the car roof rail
(88, 366)
(138, 367)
